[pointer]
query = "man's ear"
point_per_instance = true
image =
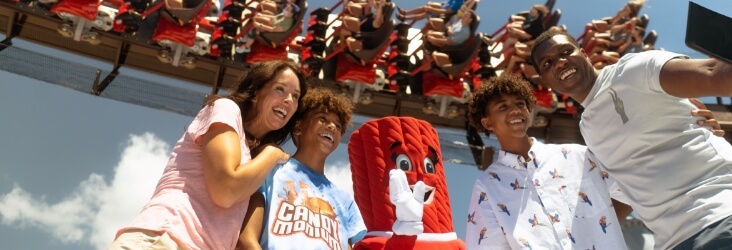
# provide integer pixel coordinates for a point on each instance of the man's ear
(486, 122)
(297, 130)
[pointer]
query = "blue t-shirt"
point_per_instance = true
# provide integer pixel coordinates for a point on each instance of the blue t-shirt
(304, 210)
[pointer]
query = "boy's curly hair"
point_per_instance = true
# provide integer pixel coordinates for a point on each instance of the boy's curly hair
(491, 90)
(321, 99)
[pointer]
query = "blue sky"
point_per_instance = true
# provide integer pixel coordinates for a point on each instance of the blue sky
(75, 167)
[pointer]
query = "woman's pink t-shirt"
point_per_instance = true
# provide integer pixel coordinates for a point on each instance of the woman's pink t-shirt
(181, 205)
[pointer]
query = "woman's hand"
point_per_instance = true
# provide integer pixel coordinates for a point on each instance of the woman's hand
(272, 149)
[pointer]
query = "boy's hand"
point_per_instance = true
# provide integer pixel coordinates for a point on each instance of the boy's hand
(409, 204)
(710, 121)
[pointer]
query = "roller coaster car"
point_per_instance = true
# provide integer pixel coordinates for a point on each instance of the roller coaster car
(130, 15)
(227, 29)
(314, 44)
(481, 68)
(274, 45)
(399, 62)
(644, 20)
(651, 38)
(502, 33)
(546, 103)
(550, 4)
(451, 83)
(461, 55)
(317, 26)
(501, 61)
(553, 19)
(223, 37)
(280, 39)
(374, 42)
(357, 69)
(80, 16)
(447, 80)
(546, 100)
(314, 40)
(233, 9)
(177, 32)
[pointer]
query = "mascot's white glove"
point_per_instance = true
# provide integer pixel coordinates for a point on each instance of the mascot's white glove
(409, 204)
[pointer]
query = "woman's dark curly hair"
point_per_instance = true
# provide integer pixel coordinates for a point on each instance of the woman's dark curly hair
(493, 89)
(258, 76)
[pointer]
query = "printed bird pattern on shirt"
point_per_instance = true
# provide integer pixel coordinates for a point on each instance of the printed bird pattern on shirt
(516, 185)
(592, 164)
(569, 234)
(585, 199)
(482, 197)
(471, 218)
(578, 203)
(494, 175)
(482, 235)
(604, 224)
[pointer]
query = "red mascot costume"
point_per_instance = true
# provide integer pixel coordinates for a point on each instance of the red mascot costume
(400, 187)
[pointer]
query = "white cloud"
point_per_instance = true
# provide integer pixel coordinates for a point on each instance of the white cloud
(95, 210)
(93, 213)
(136, 176)
(67, 221)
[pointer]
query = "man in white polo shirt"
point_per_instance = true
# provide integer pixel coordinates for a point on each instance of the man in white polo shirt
(676, 175)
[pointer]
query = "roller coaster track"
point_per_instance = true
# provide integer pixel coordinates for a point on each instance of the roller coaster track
(19, 21)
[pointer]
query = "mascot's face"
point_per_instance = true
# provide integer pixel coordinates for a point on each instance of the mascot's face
(408, 159)
(408, 144)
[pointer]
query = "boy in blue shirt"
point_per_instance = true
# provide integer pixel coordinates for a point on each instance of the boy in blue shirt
(298, 207)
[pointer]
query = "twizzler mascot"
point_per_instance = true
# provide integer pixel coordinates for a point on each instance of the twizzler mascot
(389, 157)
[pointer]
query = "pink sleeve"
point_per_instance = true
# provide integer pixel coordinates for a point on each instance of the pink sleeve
(223, 111)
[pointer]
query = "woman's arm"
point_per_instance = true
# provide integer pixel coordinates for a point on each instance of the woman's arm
(229, 182)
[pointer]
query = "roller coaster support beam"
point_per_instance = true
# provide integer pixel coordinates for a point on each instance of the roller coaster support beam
(99, 87)
(14, 29)
(219, 79)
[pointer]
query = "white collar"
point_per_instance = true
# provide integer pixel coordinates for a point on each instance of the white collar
(518, 161)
